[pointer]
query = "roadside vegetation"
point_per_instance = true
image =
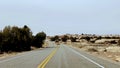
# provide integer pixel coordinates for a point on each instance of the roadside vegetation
(107, 46)
(63, 38)
(88, 38)
(16, 39)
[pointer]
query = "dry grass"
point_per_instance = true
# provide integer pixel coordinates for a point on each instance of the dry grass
(5, 55)
(99, 50)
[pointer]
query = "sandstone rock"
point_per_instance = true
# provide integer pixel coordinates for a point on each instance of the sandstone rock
(117, 58)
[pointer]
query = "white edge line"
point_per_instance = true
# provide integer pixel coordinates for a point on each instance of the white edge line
(87, 58)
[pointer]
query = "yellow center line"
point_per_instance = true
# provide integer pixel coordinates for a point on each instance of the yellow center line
(43, 64)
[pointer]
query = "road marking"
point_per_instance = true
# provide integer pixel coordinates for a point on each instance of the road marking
(86, 58)
(43, 64)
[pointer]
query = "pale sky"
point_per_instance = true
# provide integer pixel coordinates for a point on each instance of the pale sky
(62, 16)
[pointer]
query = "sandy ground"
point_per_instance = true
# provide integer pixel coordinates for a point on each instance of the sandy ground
(5, 55)
(99, 52)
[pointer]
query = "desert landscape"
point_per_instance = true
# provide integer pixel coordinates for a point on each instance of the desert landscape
(103, 46)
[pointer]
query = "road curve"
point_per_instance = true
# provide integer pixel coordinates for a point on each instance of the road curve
(64, 57)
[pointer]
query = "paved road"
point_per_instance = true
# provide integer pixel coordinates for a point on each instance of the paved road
(63, 57)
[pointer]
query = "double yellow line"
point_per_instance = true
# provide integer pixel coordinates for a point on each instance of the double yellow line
(42, 65)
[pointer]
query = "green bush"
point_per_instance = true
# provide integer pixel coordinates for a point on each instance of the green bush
(19, 39)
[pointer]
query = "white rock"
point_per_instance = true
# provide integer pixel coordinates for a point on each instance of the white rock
(117, 59)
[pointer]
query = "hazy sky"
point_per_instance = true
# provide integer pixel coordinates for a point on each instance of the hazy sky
(62, 16)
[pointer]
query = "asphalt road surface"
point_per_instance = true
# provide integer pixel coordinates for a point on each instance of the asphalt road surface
(56, 56)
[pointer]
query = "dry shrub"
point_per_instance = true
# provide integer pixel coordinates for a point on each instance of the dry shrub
(81, 46)
(92, 50)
